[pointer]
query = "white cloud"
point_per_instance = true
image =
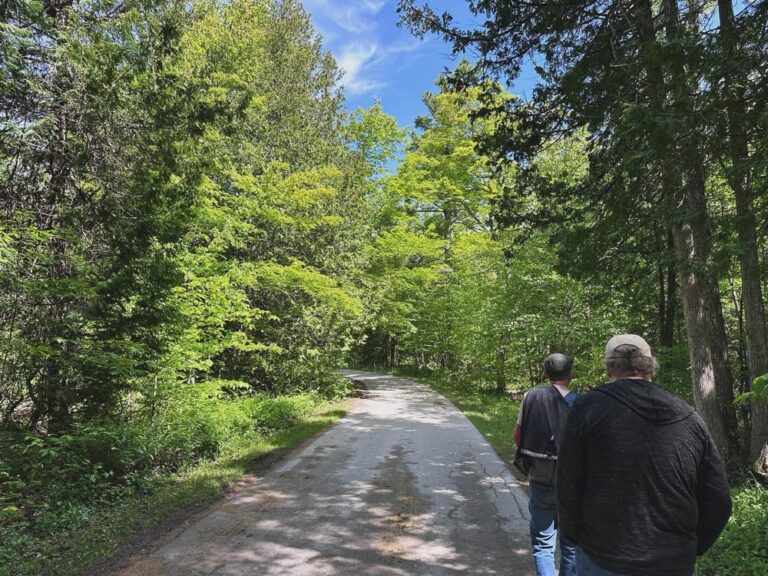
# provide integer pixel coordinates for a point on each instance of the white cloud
(367, 53)
(375, 6)
(355, 59)
(355, 17)
(352, 19)
(409, 45)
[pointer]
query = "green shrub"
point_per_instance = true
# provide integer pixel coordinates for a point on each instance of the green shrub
(741, 549)
(50, 484)
(279, 413)
(335, 387)
(50, 481)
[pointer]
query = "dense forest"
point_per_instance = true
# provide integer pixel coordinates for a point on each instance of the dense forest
(668, 207)
(196, 233)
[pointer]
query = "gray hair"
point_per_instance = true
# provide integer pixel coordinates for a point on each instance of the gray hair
(627, 359)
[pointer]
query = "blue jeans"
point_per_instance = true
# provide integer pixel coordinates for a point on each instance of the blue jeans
(585, 566)
(542, 505)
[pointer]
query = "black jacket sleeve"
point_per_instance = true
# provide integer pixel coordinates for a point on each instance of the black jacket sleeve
(570, 476)
(713, 497)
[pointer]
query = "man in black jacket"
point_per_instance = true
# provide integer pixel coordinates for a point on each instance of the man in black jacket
(640, 486)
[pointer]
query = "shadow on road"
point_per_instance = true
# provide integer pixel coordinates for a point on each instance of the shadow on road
(404, 485)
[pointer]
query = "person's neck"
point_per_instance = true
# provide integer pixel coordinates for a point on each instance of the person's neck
(563, 383)
(634, 376)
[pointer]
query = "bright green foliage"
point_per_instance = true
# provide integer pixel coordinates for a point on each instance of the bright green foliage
(181, 234)
(448, 289)
(264, 299)
(759, 390)
(440, 192)
(443, 178)
(376, 140)
(94, 189)
(177, 248)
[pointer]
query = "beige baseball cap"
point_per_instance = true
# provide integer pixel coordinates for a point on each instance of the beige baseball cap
(632, 341)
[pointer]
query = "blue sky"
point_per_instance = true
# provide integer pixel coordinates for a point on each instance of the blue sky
(380, 60)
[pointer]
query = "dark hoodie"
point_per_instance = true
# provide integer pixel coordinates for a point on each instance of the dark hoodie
(640, 485)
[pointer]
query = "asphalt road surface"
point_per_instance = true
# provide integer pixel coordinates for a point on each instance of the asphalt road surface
(403, 485)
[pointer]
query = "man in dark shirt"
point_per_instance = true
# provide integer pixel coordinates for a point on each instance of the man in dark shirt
(640, 486)
(537, 435)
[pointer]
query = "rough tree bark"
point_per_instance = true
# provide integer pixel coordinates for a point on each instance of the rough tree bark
(741, 182)
(705, 326)
(668, 296)
(501, 361)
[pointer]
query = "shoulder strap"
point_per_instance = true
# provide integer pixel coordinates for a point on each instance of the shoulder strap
(556, 412)
(549, 405)
(570, 398)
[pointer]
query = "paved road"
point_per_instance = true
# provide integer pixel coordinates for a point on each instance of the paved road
(403, 485)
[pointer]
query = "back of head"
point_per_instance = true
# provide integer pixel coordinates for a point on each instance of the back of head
(557, 366)
(629, 355)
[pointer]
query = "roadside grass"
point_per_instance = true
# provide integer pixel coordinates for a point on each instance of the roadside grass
(742, 548)
(108, 527)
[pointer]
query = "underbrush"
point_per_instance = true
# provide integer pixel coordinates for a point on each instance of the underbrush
(59, 494)
(741, 549)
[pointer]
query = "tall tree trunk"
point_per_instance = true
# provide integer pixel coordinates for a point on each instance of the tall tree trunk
(743, 372)
(662, 300)
(705, 326)
(501, 361)
(668, 333)
(668, 280)
(713, 388)
(741, 182)
(56, 395)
